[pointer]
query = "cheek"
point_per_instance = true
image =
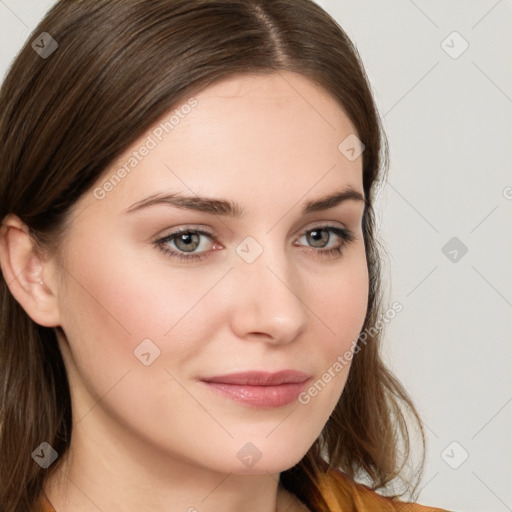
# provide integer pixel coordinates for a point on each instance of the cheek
(341, 302)
(120, 290)
(111, 304)
(342, 305)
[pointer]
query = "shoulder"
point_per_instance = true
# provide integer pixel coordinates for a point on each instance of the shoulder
(342, 493)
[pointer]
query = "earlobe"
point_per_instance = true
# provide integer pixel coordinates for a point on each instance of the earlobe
(27, 273)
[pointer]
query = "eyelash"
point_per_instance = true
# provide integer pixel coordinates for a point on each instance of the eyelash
(345, 235)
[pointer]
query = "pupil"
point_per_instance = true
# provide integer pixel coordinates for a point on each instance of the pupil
(187, 241)
(319, 235)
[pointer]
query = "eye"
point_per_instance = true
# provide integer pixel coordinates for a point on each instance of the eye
(319, 238)
(185, 242)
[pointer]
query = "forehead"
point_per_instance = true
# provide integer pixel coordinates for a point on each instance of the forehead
(253, 137)
(282, 91)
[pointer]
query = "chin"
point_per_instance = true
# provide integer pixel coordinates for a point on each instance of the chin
(266, 455)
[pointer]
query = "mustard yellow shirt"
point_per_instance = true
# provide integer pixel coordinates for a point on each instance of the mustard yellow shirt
(344, 495)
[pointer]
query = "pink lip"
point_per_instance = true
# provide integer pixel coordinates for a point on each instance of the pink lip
(260, 389)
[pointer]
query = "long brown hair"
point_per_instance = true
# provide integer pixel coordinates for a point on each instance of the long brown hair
(119, 66)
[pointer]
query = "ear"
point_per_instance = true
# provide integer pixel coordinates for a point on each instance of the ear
(29, 277)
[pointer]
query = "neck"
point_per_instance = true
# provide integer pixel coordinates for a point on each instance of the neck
(112, 471)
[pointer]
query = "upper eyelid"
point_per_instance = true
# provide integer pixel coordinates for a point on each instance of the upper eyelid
(214, 236)
(213, 233)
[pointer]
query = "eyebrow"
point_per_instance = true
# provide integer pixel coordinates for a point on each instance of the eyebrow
(232, 209)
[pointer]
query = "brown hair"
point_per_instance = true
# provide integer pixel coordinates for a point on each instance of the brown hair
(120, 65)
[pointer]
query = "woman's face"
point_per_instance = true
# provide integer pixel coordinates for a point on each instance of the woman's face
(265, 288)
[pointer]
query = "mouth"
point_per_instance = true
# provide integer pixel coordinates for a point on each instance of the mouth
(257, 389)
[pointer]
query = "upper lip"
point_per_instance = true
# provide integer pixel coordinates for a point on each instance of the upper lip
(258, 378)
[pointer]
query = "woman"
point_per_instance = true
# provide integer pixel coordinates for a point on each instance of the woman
(190, 298)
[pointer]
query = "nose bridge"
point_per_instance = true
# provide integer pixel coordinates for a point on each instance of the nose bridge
(269, 300)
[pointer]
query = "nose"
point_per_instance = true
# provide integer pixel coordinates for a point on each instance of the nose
(268, 300)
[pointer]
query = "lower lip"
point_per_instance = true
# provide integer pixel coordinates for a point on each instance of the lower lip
(265, 397)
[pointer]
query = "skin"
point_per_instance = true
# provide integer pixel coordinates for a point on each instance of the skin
(145, 437)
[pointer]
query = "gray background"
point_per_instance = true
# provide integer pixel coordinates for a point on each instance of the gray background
(449, 125)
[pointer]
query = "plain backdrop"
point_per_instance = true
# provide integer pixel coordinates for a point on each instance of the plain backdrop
(441, 72)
